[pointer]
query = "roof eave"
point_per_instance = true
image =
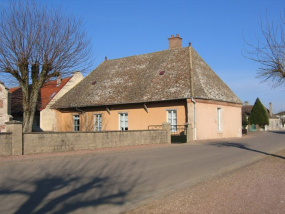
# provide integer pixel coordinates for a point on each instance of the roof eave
(152, 101)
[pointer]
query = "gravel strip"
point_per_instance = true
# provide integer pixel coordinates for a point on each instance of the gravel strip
(256, 188)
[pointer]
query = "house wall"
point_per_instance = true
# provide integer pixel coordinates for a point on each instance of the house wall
(5, 106)
(139, 118)
(274, 124)
(207, 117)
(47, 115)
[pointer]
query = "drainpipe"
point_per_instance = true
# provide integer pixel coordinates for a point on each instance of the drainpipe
(192, 87)
(83, 112)
(195, 138)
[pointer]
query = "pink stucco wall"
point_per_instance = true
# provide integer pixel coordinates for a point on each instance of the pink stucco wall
(207, 120)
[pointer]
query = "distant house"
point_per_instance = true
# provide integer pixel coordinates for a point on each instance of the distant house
(5, 106)
(50, 92)
(136, 92)
(281, 116)
(274, 121)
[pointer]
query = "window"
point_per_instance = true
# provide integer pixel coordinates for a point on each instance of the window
(76, 123)
(219, 119)
(124, 121)
(98, 122)
(172, 119)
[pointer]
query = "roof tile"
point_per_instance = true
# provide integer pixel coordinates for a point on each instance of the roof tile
(137, 79)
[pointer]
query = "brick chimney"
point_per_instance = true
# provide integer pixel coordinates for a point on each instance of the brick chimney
(175, 42)
(246, 103)
(270, 109)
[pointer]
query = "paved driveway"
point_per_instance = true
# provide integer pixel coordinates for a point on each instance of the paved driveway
(112, 182)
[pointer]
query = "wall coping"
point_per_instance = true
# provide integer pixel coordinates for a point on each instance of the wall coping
(5, 133)
(85, 132)
(14, 122)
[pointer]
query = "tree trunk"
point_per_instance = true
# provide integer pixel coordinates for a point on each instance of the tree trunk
(28, 118)
(30, 100)
(29, 107)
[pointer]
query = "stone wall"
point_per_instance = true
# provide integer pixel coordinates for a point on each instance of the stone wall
(47, 142)
(14, 142)
(5, 144)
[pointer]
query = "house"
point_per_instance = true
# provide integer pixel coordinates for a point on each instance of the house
(281, 116)
(137, 92)
(5, 106)
(50, 92)
(274, 121)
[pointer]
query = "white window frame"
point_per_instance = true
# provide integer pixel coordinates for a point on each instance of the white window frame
(76, 126)
(172, 120)
(97, 123)
(219, 114)
(122, 117)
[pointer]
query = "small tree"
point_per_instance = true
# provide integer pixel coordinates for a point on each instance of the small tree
(38, 43)
(258, 115)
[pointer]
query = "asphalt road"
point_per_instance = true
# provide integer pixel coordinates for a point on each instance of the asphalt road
(113, 182)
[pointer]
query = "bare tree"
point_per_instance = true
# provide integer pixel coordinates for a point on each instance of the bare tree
(269, 51)
(38, 43)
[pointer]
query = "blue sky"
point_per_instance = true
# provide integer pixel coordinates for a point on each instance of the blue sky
(216, 29)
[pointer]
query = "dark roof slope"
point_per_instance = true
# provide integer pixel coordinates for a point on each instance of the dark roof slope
(137, 79)
(246, 109)
(47, 93)
(281, 113)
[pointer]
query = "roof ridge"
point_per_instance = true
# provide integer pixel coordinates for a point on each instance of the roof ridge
(137, 55)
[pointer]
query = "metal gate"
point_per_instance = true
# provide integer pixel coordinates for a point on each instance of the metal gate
(178, 132)
(252, 128)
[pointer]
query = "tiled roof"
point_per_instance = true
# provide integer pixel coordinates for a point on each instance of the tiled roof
(157, 76)
(48, 91)
(281, 113)
(246, 109)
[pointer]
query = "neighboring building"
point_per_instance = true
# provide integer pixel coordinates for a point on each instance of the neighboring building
(274, 121)
(135, 92)
(5, 106)
(50, 92)
(281, 116)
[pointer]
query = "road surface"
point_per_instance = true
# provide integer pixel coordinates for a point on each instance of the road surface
(113, 182)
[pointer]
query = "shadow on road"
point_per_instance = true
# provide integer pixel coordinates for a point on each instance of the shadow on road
(243, 146)
(64, 190)
(278, 132)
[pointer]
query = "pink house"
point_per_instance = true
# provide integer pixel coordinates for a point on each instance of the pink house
(133, 93)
